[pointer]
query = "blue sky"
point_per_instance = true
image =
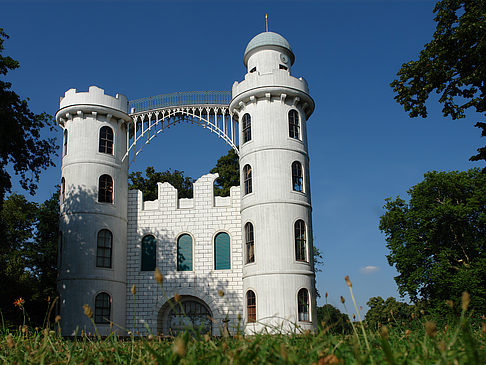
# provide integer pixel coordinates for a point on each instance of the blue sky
(363, 147)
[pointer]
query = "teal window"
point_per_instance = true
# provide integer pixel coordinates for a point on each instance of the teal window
(184, 253)
(222, 257)
(149, 249)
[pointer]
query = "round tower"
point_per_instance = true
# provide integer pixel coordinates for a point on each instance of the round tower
(93, 223)
(273, 108)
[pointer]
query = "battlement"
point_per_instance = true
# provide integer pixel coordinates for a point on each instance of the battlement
(95, 96)
(168, 197)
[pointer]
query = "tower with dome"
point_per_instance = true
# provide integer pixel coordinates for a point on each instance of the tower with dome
(242, 261)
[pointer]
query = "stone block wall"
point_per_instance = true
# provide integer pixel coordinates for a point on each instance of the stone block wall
(166, 219)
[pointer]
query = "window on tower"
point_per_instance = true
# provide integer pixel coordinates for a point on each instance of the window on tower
(250, 243)
(300, 241)
(102, 308)
(104, 248)
(65, 143)
(247, 179)
(106, 140)
(184, 253)
(303, 305)
(250, 306)
(222, 251)
(149, 249)
(246, 128)
(63, 190)
(105, 190)
(297, 177)
(294, 125)
(59, 257)
(253, 70)
(283, 67)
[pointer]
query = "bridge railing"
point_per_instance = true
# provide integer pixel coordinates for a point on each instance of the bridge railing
(180, 99)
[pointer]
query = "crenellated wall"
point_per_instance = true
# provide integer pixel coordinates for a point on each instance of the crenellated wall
(166, 219)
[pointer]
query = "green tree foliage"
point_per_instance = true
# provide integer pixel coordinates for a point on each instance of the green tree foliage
(148, 185)
(228, 168)
(21, 145)
(28, 255)
(453, 64)
(386, 312)
(437, 240)
(330, 318)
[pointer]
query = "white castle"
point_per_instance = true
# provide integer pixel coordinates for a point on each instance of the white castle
(244, 260)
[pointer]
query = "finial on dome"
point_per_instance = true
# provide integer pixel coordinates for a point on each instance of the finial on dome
(266, 22)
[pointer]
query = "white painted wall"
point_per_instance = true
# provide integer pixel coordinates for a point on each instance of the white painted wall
(82, 114)
(268, 94)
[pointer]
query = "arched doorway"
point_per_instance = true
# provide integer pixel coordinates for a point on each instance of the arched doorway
(189, 313)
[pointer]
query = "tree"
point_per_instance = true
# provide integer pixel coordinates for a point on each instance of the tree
(437, 240)
(330, 318)
(453, 64)
(21, 145)
(148, 185)
(28, 255)
(228, 168)
(389, 311)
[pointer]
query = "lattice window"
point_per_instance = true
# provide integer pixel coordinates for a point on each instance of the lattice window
(250, 243)
(106, 140)
(300, 241)
(294, 124)
(250, 306)
(105, 191)
(104, 248)
(65, 143)
(297, 176)
(102, 308)
(303, 305)
(247, 177)
(246, 128)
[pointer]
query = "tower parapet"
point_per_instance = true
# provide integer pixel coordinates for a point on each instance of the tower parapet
(93, 222)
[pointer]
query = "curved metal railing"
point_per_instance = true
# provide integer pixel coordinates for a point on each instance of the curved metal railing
(180, 99)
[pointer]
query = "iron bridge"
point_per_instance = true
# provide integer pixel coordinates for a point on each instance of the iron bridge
(153, 115)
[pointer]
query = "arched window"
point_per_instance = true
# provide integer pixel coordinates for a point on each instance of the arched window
(294, 125)
(300, 244)
(64, 146)
(63, 190)
(187, 314)
(104, 248)
(149, 249)
(102, 308)
(59, 258)
(250, 243)
(106, 140)
(246, 128)
(222, 248)
(105, 192)
(250, 306)
(297, 177)
(303, 305)
(184, 253)
(247, 179)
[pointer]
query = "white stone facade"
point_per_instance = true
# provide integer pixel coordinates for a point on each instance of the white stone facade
(202, 217)
(103, 225)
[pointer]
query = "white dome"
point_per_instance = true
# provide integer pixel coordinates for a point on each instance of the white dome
(267, 40)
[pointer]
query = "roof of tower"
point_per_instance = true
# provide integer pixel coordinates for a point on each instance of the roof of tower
(267, 40)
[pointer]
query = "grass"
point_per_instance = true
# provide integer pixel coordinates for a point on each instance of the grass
(426, 344)
(420, 341)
